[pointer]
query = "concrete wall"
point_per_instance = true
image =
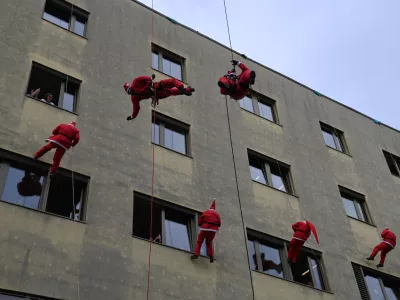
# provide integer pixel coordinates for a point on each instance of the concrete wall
(54, 257)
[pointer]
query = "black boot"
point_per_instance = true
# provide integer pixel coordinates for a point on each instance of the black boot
(370, 258)
(379, 266)
(252, 77)
(194, 257)
(223, 85)
(211, 259)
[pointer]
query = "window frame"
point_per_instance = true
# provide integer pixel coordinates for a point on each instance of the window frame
(73, 12)
(338, 138)
(257, 98)
(284, 171)
(172, 57)
(64, 78)
(7, 159)
(192, 226)
(361, 200)
(283, 246)
(394, 159)
(165, 122)
(22, 295)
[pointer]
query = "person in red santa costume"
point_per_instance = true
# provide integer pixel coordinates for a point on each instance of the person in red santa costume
(143, 88)
(237, 87)
(388, 244)
(302, 231)
(209, 223)
(64, 137)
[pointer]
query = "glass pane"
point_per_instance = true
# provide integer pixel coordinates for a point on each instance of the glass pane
(177, 235)
(203, 249)
(257, 174)
(68, 103)
(176, 71)
(361, 213)
(252, 255)
(23, 187)
(154, 63)
(318, 283)
(166, 66)
(247, 104)
(55, 20)
(338, 143)
(392, 293)
(7, 297)
(79, 28)
(328, 137)
(350, 208)
(277, 182)
(266, 111)
(391, 161)
(271, 261)
(155, 135)
(174, 141)
(374, 288)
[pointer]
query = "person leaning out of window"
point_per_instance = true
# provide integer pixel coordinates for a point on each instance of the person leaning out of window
(34, 94)
(48, 99)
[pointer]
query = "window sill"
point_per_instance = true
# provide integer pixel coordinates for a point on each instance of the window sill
(184, 82)
(254, 114)
(370, 224)
(54, 106)
(43, 212)
(271, 187)
(185, 155)
(185, 251)
(85, 38)
(345, 153)
(302, 284)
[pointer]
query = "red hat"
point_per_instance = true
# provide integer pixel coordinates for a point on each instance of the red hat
(213, 205)
(73, 123)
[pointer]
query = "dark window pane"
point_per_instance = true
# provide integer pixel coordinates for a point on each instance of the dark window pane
(7, 297)
(57, 15)
(301, 270)
(252, 255)
(391, 161)
(166, 66)
(318, 282)
(176, 71)
(271, 261)
(79, 27)
(175, 141)
(328, 137)
(155, 134)
(350, 208)
(257, 174)
(247, 104)
(23, 187)
(141, 219)
(266, 111)
(154, 63)
(176, 230)
(374, 288)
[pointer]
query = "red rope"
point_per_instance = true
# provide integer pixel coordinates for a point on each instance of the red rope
(152, 174)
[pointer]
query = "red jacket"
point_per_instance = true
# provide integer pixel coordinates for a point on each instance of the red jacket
(210, 221)
(301, 231)
(65, 135)
(242, 84)
(389, 237)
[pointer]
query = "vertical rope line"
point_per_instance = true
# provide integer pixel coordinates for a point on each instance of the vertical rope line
(229, 33)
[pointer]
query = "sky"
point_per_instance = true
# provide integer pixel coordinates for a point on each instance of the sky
(347, 50)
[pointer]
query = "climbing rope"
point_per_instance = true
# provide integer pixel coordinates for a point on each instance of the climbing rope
(229, 34)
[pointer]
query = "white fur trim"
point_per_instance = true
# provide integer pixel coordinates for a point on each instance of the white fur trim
(388, 243)
(299, 239)
(204, 229)
(56, 143)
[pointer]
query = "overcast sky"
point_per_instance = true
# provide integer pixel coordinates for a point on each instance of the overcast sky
(345, 49)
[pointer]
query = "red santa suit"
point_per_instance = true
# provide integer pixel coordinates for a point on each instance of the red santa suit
(209, 223)
(301, 233)
(237, 87)
(388, 244)
(141, 89)
(64, 136)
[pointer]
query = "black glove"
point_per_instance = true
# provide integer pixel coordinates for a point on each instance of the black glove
(153, 76)
(234, 62)
(129, 118)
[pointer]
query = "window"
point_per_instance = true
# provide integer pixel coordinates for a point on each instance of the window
(355, 205)
(333, 138)
(62, 88)
(268, 254)
(66, 15)
(393, 162)
(15, 296)
(167, 62)
(173, 226)
(170, 134)
(25, 182)
(260, 105)
(374, 285)
(270, 172)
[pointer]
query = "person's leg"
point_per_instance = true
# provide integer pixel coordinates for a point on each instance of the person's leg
(199, 242)
(57, 159)
(209, 243)
(44, 150)
(375, 251)
(385, 250)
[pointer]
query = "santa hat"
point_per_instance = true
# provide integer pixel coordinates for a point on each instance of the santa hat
(213, 205)
(73, 123)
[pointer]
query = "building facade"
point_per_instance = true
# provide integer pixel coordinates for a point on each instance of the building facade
(283, 154)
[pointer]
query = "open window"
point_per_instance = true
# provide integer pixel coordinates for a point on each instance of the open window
(66, 15)
(393, 162)
(355, 205)
(271, 172)
(260, 105)
(173, 225)
(53, 88)
(334, 138)
(25, 182)
(167, 62)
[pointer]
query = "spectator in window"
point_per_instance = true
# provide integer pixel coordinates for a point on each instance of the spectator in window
(64, 136)
(143, 88)
(30, 185)
(34, 94)
(48, 99)
(267, 264)
(388, 244)
(237, 87)
(209, 223)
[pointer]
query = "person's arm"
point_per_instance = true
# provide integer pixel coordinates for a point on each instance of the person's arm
(201, 220)
(384, 233)
(55, 130)
(295, 226)
(136, 109)
(76, 139)
(219, 221)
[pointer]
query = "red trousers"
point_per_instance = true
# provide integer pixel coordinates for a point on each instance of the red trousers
(57, 156)
(294, 249)
(209, 237)
(384, 248)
